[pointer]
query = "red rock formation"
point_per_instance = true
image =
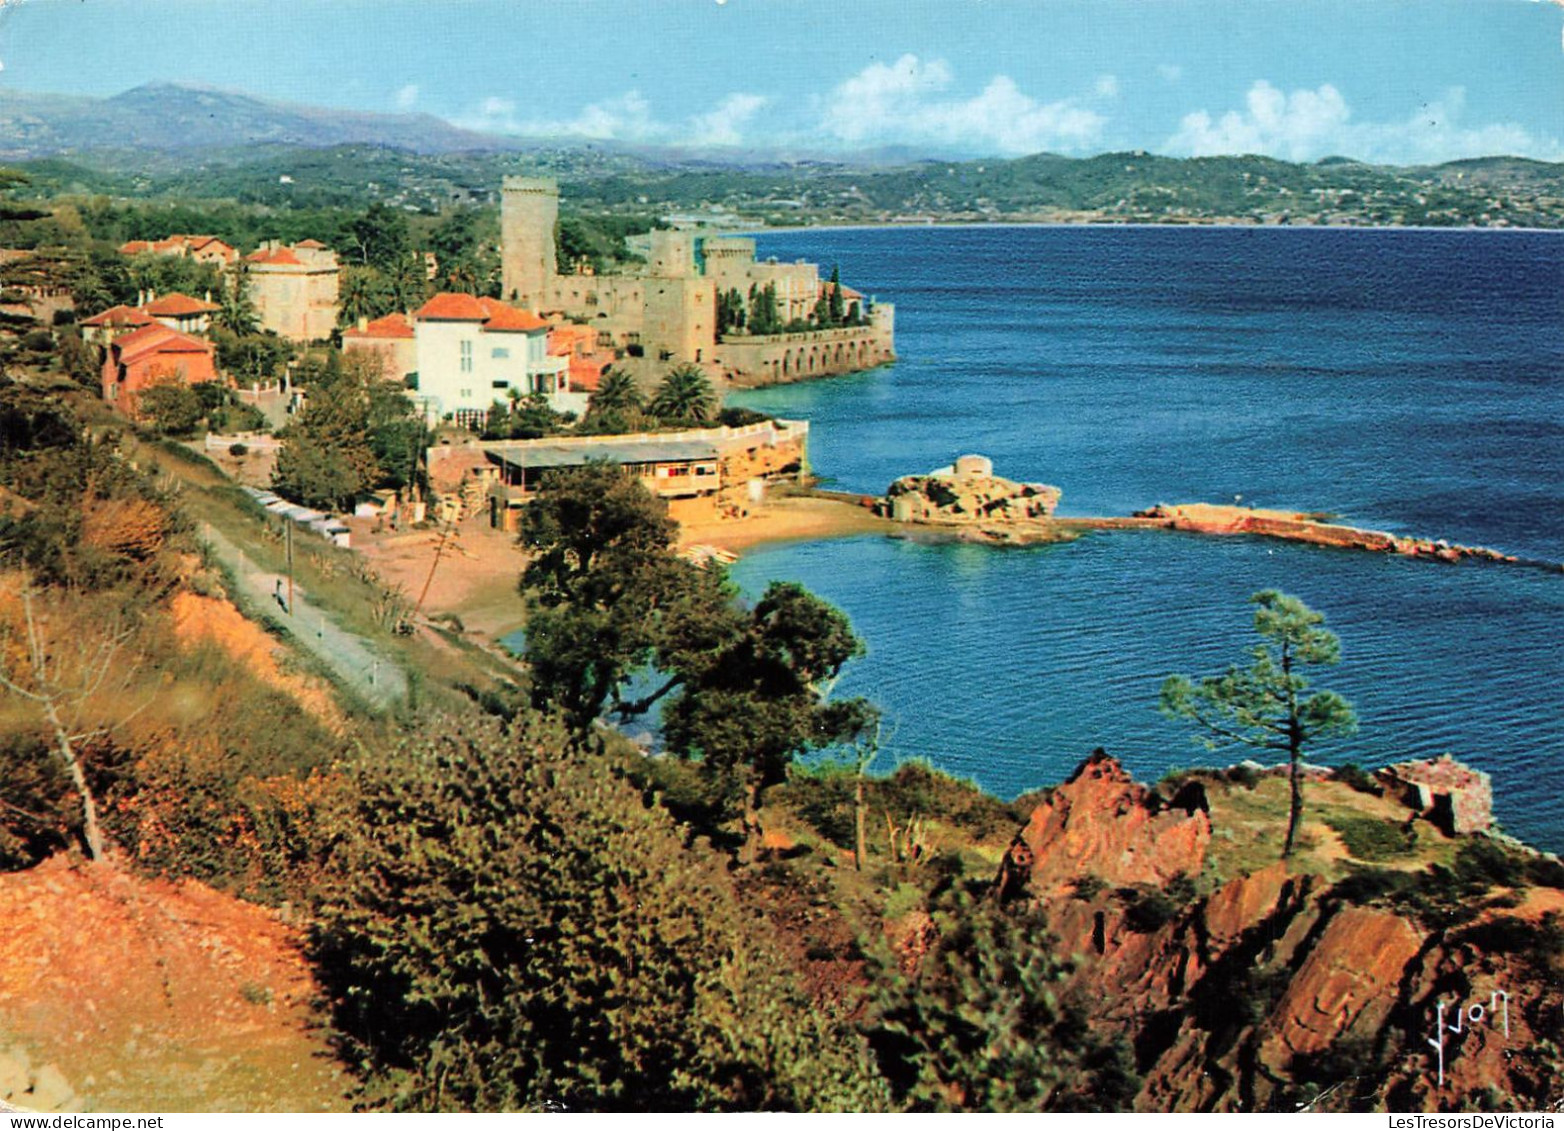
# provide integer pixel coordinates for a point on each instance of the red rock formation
(1104, 823)
(1248, 999)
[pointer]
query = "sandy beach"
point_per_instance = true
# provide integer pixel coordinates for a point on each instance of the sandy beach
(475, 577)
(788, 519)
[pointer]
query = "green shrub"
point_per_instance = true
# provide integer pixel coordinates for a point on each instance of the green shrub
(1366, 885)
(1371, 838)
(978, 1027)
(1357, 778)
(512, 927)
(1483, 863)
(1545, 871)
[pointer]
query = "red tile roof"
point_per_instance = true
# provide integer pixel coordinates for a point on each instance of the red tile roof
(509, 319)
(275, 256)
(177, 305)
(315, 244)
(452, 306)
(391, 326)
(586, 373)
(156, 338)
(134, 247)
(119, 316)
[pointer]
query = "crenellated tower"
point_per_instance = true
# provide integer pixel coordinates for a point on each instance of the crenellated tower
(529, 210)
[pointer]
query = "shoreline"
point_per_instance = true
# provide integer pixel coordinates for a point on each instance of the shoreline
(476, 578)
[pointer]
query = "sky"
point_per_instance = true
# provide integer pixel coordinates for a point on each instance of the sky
(1394, 81)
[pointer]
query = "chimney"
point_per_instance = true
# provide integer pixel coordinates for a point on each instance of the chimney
(363, 322)
(141, 297)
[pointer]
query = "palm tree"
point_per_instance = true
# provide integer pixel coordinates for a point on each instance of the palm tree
(362, 294)
(685, 394)
(617, 393)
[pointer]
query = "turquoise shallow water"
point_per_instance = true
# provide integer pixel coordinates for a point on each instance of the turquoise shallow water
(1410, 381)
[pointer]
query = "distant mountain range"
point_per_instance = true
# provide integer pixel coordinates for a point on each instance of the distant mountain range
(183, 117)
(180, 142)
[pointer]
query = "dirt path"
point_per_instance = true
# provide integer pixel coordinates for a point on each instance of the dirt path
(379, 682)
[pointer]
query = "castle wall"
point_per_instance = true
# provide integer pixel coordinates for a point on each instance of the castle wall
(751, 360)
(666, 313)
(681, 317)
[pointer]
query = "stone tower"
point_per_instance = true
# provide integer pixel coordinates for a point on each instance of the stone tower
(529, 209)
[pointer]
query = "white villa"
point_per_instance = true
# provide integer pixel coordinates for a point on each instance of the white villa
(474, 351)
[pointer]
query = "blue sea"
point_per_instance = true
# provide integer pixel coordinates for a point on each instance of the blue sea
(1409, 381)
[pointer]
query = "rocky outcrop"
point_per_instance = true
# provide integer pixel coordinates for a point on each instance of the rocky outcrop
(1300, 526)
(968, 492)
(1275, 990)
(1104, 823)
(1455, 797)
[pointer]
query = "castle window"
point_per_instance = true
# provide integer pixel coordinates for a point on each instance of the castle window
(501, 351)
(466, 357)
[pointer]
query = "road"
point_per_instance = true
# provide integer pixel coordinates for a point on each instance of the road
(377, 681)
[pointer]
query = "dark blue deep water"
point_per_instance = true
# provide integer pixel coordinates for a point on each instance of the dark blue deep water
(1410, 381)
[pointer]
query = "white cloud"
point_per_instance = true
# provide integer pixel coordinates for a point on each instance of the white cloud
(627, 117)
(1306, 125)
(1170, 72)
(407, 96)
(901, 102)
(725, 124)
(1107, 86)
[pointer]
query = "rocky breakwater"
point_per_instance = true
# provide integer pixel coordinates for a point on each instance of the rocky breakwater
(1302, 526)
(1242, 982)
(967, 500)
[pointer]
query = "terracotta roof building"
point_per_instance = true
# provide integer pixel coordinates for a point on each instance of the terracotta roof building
(392, 337)
(183, 313)
(203, 249)
(101, 329)
(294, 289)
(472, 352)
(153, 353)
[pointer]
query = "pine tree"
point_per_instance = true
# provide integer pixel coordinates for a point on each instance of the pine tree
(1265, 705)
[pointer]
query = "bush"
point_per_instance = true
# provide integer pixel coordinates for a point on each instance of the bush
(1366, 885)
(1538, 943)
(511, 927)
(1246, 776)
(1545, 871)
(1355, 777)
(38, 341)
(1371, 838)
(1484, 863)
(238, 451)
(979, 1026)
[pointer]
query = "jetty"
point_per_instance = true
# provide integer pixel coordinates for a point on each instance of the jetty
(967, 502)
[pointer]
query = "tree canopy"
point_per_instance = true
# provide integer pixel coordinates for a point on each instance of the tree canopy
(685, 394)
(1266, 704)
(746, 689)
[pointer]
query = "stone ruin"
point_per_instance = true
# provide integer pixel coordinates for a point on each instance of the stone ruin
(1453, 796)
(967, 492)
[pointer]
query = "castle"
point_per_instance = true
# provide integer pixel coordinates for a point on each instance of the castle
(667, 312)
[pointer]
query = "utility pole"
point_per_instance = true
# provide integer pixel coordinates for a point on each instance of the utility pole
(288, 528)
